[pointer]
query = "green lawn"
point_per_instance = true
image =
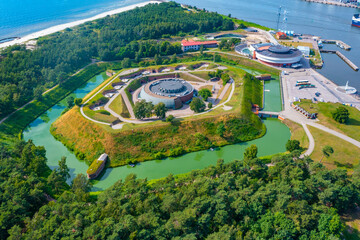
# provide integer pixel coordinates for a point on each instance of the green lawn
(345, 156)
(98, 115)
(203, 74)
(351, 129)
(119, 106)
(297, 133)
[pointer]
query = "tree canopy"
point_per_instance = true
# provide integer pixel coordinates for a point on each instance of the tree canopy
(24, 74)
(295, 199)
(205, 93)
(143, 109)
(197, 105)
(292, 145)
(160, 110)
(341, 115)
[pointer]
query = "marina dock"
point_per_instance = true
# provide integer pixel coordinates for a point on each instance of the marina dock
(339, 43)
(345, 59)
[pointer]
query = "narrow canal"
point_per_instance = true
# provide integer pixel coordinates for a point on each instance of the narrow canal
(273, 142)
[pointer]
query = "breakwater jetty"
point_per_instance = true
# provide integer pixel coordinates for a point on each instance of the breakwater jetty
(345, 59)
(334, 3)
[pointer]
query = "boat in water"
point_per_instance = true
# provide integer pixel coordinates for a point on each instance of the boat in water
(356, 20)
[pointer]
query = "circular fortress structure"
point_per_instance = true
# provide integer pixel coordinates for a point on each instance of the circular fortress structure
(172, 92)
(277, 55)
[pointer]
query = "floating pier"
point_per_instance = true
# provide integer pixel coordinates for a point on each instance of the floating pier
(339, 43)
(345, 59)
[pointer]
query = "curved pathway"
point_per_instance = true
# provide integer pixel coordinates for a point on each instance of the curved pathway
(311, 141)
(130, 108)
(335, 133)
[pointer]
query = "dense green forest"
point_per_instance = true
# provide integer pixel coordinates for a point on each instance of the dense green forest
(24, 74)
(295, 199)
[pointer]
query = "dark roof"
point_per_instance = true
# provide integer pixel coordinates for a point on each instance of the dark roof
(174, 87)
(279, 51)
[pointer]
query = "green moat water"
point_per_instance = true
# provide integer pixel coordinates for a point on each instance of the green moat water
(273, 142)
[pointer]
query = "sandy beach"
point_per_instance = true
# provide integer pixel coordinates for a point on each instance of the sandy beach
(61, 27)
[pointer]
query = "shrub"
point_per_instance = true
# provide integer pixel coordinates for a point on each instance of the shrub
(78, 101)
(170, 118)
(159, 155)
(176, 152)
(104, 112)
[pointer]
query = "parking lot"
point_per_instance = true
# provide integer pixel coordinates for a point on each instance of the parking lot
(308, 93)
(326, 88)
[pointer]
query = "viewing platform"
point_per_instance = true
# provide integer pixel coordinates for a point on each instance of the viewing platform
(345, 59)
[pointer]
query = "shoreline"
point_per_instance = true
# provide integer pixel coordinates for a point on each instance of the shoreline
(61, 27)
(339, 4)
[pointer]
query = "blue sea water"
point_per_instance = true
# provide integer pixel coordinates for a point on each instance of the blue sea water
(22, 17)
(327, 21)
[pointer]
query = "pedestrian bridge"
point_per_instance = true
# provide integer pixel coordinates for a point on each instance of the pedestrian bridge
(268, 114)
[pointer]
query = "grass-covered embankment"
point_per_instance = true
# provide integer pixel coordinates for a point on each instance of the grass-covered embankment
(88, 140)
(161, 139)
(297, 133)
(119, 106)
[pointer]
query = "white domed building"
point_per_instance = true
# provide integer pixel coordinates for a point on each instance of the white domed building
(172, 92)
(276, 55)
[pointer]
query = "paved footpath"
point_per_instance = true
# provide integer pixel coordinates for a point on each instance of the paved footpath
(311, 141)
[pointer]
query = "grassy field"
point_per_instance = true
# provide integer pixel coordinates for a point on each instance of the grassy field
(119, 106)
(189, 78)
(203, 74)
(297, 133)
(345, 156)
(248, 64)
(351, 129)
(227, 94)
(207, 87)
(98, 115)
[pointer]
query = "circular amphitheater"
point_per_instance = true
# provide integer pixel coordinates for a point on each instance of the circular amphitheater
(171, 91)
